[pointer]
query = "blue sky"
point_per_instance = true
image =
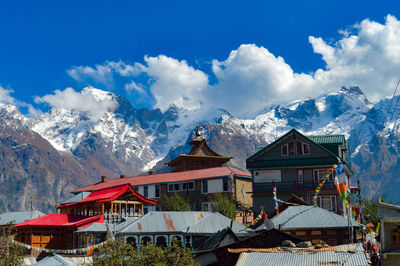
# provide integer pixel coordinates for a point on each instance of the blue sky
(46, 45)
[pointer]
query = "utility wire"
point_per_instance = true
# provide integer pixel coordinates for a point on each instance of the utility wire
(394, 108)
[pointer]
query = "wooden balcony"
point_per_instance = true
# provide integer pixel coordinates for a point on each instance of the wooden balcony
(291, 186)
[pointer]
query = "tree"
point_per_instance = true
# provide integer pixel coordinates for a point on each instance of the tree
(370, 209)
(10, 252)
(224, 206)
(175, 203)
(120, 253)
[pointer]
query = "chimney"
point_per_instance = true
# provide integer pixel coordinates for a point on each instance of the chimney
(151, 172)
(103, 178)
(122, 176)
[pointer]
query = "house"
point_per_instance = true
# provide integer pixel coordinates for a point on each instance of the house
(199, 176)
(389, 216)
(297, 164)
(189, 228)
(223, 255)
(55, 260)
(56, 231)
(160, 228)
(18, 217)
(348, 255)
(312, 222)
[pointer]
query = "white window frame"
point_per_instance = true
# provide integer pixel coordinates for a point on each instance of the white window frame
(332, 202)
(303, 144)
(208, 204)
(302, 175)
(317, 178)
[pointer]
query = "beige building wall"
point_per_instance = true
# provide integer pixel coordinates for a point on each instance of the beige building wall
(246, 186)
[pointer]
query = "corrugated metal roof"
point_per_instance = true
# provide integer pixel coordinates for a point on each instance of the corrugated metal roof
(102, 227)
(76, 198)
(167, 177)
(19, 217)
(184, 222)
(297, 217)
(339, 257)
(387, 210)
(328, 139)
(55, 260)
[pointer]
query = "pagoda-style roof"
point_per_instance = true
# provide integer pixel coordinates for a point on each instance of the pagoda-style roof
(200, 151)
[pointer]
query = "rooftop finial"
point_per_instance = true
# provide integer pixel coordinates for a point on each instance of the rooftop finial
(198, 131)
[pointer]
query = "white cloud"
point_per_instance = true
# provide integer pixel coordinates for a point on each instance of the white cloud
(94, 101)
(366, 55)
(5, 96)
(133, 86)
(175, 82)
(103, 74)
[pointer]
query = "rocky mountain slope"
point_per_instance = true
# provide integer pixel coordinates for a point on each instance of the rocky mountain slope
(64, 149)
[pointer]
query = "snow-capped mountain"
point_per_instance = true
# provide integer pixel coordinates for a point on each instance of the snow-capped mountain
(129, 141)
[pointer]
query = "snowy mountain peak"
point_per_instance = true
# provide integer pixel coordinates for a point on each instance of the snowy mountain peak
(98, 94)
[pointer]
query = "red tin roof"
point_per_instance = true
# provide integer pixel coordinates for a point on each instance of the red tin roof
(110, 194)
(167, 178)
(62, 221)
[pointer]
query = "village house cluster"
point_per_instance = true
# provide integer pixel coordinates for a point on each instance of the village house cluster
(289, 208)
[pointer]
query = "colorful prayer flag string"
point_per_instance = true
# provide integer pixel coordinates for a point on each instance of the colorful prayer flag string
(320, 185)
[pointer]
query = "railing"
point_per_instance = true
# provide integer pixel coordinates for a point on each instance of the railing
(291, 186)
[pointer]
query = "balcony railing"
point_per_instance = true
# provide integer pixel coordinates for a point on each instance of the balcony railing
(291, 186)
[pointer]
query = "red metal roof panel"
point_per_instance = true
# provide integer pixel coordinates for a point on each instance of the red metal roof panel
(62, 221)
(166, 178)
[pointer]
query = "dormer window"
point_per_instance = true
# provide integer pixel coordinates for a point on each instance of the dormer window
(295, 147)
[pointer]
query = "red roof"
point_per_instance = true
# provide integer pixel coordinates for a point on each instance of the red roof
(62, 221)
(167, 178)
(110, 194)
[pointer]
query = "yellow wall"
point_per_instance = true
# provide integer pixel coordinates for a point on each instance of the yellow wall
(247, 187)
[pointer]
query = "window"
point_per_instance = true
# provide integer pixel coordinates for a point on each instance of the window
(205, 186)
(177, 187)
(300, 176)
(170, 187)
(192, 206)
(158, 208)
(132, 241)
(146, 191)
(225, 184)
(191, 185)
(395, 236)
(145, 210)
(157, 191)
(284, 150)
(327, 202)
(161, 241)
(320, 175)
(184, 186)
(145, 240)
(177, 240)
(295, 147)
(206, 206)
(188, 242)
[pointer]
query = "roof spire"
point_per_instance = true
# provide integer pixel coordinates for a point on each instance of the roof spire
(198, 131)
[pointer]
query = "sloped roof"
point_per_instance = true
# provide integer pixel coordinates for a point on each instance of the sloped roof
(167, 178)
(76, 198)
(19, 217)
(102, 227)
(215, 240)
(387, 210)
(303, 217)
(328, 139)
(55, 260)
(184, 222)
(340, 256)
(110, 194)
(62, 221)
